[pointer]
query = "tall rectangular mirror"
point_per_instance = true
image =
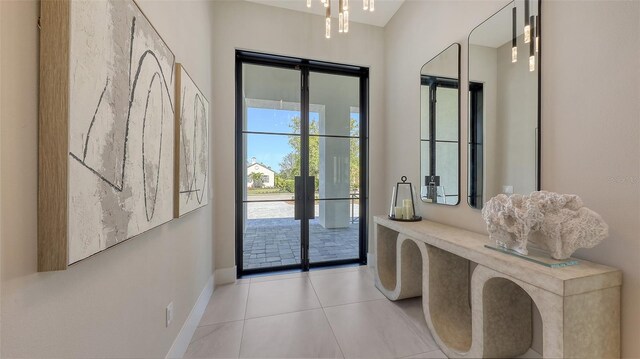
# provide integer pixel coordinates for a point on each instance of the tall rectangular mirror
(440, 128)
(504, 103)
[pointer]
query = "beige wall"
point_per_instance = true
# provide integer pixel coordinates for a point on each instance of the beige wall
(590, 116)
(243, 25)
(113, 304)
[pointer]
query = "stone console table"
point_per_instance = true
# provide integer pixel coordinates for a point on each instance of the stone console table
(478, 302)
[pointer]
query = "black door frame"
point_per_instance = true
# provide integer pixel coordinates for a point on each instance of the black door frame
(305, 66)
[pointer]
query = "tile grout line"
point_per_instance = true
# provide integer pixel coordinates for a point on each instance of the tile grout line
(358, 270)
(284, 313)
(220, 323)
(325, 272)
(335, 337)
(225, 321)
(277, 279)
(287, 312)
(350, 303)
(413, 328)
(429, 352)
(244, 319)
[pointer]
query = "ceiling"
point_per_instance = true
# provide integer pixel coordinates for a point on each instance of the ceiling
(384, 9)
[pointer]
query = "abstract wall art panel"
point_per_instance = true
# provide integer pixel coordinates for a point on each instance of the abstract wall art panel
(114, 107)
(192, 145)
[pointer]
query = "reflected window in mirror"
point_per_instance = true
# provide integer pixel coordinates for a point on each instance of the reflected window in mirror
(504, 77)
(476, 138)
(440, 128)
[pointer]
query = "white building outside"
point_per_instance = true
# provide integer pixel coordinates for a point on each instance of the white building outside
(268, 175)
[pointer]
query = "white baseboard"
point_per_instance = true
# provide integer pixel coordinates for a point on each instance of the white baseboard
(371, 260)
(181, 343)
(225, 275)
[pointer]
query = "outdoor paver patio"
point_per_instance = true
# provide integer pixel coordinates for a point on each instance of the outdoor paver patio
(276, 242)
(272, 236)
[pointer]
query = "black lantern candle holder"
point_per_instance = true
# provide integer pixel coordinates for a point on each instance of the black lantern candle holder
(404, 211)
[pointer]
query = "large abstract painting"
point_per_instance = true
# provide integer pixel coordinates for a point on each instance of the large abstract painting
(121, 129)
(192, 145)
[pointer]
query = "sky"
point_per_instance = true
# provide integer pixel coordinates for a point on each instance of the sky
(270, 149)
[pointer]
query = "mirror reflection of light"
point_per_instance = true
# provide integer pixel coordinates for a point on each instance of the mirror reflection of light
(328, 28)
(532, 63)
(346, 20)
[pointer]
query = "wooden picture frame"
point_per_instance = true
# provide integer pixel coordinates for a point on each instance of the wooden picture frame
(191, 170)
(106, 114)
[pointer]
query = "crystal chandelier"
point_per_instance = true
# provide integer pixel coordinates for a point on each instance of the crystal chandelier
(343, 14)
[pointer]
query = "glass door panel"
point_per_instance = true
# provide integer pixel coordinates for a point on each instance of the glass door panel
(271, 140)
(300, 142)
(334, 163)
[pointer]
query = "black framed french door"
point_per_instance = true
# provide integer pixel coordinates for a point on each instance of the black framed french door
(301, 163)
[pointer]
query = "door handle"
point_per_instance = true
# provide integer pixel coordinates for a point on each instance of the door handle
(311, 197)
(298, 198)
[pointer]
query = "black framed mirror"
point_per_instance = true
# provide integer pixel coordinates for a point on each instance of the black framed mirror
(440, 128)
(504, 104)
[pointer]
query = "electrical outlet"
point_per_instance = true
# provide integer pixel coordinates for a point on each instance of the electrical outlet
(169, 314)
(507, 189)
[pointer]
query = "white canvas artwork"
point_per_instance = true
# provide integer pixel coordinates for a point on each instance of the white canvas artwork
(121, 127)
(192, 117)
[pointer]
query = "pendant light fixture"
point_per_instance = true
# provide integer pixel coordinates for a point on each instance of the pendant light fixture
(514, 36)
(532, 50)
(527, 23)
(343, 14)
(340, 16)
(537, 33)
(346, 19)
(365, 5)
(327, 20)
(372, 5)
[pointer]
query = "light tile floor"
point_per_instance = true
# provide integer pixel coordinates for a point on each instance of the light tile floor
(332, 313)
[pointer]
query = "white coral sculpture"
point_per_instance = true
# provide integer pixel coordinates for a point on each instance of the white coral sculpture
(567, 225)
(510, 221)
(556, 222)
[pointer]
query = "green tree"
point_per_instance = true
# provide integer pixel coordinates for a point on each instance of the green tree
(290, 164)
(284, 184)
(288, 168)
(256, 178)
(354, 155)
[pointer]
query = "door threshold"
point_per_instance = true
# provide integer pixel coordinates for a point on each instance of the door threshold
(276, 272)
